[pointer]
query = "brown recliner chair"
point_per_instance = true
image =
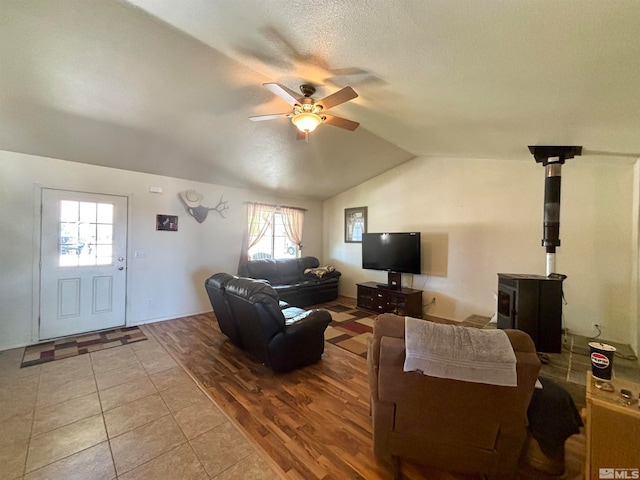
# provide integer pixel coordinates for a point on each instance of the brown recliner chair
(456, 426)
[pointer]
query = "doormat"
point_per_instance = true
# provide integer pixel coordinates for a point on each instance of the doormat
(80, 344)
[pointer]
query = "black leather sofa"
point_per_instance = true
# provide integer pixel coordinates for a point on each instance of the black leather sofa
(215, 286)
(278, 335)
(294, 286)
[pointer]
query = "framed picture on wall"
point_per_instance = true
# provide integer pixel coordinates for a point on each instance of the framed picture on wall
(355, 224)
(167, 222)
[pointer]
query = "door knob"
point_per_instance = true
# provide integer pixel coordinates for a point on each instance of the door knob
(120, 268)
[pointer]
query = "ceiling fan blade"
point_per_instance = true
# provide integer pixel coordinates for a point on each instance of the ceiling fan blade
(341, 122)
(259, 118)
(341, 96)
(284, 93)
(301, 135)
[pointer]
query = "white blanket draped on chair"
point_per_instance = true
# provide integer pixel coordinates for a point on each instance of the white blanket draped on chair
(459, 353)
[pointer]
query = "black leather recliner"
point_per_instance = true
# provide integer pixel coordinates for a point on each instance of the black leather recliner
(215, 286)
(281, 338)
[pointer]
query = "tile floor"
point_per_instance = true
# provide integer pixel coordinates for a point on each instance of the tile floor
(129, 412)
(569, 367)
(625, 362)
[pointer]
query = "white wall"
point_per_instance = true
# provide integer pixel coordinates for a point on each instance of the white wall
(483, 217)
(169, 282)
(635, 258)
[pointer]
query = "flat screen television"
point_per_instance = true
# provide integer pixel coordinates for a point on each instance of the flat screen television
(394, 252)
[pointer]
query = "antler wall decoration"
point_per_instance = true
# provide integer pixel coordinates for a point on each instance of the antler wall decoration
(222, 208)
(192, 200)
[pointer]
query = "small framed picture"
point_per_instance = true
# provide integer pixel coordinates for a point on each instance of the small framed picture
(355, 224)
(167, 222)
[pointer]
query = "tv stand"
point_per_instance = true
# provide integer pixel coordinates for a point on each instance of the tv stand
(394, 282)
(382, 299)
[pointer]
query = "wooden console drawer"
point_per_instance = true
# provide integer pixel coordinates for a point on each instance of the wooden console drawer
(406, 301)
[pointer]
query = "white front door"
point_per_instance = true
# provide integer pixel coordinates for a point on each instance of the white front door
(83, 262)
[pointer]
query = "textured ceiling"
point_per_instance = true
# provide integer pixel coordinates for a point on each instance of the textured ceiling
(167, 87)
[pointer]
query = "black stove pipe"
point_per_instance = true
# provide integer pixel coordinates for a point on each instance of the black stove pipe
(552, 157)
(551, 227)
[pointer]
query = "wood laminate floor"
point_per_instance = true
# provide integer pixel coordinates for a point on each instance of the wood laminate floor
(310, 423)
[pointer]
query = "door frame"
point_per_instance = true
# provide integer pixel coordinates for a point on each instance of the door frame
(37, 236)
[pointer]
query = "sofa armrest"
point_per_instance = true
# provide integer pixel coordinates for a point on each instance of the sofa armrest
(315, 319)
(391, 375)
(300, 343)
(385, 325)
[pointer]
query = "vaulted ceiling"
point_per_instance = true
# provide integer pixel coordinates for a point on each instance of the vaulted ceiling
(167, 87)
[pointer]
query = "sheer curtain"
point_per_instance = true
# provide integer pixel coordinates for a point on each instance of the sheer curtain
(293, 221)
(259, 219)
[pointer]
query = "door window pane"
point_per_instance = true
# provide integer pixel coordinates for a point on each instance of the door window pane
(105, 213)
(104, 254)
(68, 211)
(86, 233)
(87, 212)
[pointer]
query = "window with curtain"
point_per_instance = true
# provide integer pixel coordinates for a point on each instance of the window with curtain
(273, 231)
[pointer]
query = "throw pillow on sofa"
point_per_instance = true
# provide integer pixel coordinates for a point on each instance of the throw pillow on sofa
(322, 271)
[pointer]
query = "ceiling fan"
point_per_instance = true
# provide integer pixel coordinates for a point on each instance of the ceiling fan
(308, 112)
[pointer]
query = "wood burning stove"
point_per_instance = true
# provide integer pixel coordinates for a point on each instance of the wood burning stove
(533, 304)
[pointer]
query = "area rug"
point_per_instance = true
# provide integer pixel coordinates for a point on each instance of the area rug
(78, 345)
(351, 327)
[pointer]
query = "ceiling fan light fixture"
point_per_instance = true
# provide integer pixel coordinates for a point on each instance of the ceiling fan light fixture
(306, 122)
(308, 112)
